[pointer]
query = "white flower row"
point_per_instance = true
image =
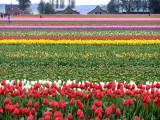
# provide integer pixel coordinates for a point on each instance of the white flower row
(28, 84)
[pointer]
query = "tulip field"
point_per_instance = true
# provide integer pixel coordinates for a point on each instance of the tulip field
(80, 67)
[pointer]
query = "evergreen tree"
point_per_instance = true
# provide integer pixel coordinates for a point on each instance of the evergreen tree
(154, 6)
(41, 7)
(113, 6)
(48, 9)
(23, 4)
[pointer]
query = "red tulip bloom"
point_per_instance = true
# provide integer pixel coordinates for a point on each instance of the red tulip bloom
(57, 114)
(29, 103)
(62, 104)
(97, 118)
(72, 101)
(1, 110)
(70, 117)
(131, 102)
(16, 112)
(118, 111)
(93, 107)
(126, 102)
(7, 101)
(145, 106)
(48, 113)
(30, 117)
(36, 105)
(33, 111)
(47, 85)
(88, 116)
(54, 104)
(109, 111)
(26, 111)
(45, 101)
(81, 115)
(47, 117)
(148, 100)
(136, 118)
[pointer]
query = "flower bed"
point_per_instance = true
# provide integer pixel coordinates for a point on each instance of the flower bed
(82, 42)
(70, 100)
(145, 37)
(82, 19)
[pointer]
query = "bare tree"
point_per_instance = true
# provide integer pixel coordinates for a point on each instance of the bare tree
(57, 3)
(61, 3)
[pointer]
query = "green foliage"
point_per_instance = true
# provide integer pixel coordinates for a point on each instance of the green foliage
(23, 4)
(155, 6)
(78, 33)
(113, 6)
(41, 7)
(48, 9)
(45, 8)
(87, 62)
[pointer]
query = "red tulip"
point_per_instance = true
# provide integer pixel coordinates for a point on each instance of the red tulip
(126, 102)
(72, 101)
(7, 101)
(45, 101)
(29, 103)
(70, 117)
(1, 110)
(33, 111)
(131, 102)
(136, 118)
(30, 117)
(81, 115)
(93, 107)
(145, 106)
(48, 113)
(57, 114)
(62, 104)
(109, 111)
(54, 104)
(118, 111)
(16, 112)
(47, 117)
(36, 105)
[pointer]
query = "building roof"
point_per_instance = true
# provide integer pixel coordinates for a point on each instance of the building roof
(97, 10)
(68, 10)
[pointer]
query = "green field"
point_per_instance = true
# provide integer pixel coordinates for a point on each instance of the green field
(139, 63)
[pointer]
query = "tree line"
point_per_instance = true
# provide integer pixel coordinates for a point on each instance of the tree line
(46, 7)
(114, 6)
(129, 6)
(49, 7)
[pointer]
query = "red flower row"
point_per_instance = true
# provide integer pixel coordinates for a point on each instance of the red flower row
(132, 37)
(101, 101)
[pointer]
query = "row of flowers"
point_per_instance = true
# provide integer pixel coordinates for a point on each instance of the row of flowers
(82, 19)
(131, 37)
(106, 26)
(77, 23)
(81, 42)
(79, 29)
(46, 100)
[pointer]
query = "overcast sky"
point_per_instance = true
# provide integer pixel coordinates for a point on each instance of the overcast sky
(78, 2)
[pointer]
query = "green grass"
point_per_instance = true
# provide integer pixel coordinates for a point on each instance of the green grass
(76, 62)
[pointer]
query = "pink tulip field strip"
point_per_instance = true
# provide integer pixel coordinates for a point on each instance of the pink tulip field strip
(82, 19)
(80, 26)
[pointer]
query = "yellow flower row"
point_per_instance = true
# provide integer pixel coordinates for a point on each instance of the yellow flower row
(81, 42)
